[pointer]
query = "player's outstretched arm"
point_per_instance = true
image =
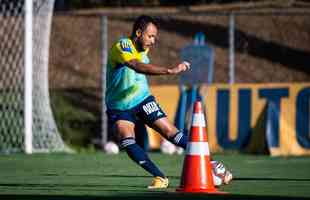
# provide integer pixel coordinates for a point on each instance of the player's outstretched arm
(152, 69)
(184, 66)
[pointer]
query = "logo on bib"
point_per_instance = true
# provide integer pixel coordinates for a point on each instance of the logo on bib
(150, 108)
(125, 46)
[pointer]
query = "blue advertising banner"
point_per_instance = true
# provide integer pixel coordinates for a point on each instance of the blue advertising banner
(252, 117)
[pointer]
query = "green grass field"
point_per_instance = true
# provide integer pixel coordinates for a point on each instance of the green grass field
(100, 176)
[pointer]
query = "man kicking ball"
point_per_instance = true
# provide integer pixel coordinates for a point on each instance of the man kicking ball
(128, 98)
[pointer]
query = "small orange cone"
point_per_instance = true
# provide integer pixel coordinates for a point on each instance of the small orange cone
(197, 169)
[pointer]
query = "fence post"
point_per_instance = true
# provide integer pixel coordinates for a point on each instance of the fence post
(231, 48)
(104, 57)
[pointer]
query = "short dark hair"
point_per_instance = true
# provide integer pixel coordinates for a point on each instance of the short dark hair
(141, 23)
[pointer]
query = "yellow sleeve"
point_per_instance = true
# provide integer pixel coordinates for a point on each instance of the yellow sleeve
(123, 51)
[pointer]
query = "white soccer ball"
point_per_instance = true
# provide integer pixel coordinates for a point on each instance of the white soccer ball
(167, 148)
(220, 174)
(111, 148)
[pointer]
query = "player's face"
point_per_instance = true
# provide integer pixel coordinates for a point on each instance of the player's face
(148, 37)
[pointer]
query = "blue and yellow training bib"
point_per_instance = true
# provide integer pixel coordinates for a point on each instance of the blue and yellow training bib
(125, 88)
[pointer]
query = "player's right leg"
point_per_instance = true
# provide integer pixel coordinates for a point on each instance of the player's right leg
(123, 123)
(125, 129)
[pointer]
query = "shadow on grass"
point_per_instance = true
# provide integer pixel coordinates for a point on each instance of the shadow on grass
(148, 196)
(133, 192)
(40, 186)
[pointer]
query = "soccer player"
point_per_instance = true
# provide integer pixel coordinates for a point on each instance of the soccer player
(128, 97)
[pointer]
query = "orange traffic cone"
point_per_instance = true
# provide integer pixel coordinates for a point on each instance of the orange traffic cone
(197, 168)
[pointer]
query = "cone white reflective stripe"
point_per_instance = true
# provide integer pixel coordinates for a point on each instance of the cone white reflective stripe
(198, 120)
(197, 149)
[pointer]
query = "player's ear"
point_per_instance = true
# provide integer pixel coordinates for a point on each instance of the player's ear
(138, 33)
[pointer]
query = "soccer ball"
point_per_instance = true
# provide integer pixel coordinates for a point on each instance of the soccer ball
(111, 148)
(220, 174)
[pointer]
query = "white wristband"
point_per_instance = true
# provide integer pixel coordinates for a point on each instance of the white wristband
(186, 63)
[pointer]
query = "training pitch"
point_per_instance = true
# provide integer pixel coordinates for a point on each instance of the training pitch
(100, 176)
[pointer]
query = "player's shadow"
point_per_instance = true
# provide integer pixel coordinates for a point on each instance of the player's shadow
(65, 186)
(149, 196)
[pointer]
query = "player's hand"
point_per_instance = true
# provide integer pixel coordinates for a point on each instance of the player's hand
(184, 66)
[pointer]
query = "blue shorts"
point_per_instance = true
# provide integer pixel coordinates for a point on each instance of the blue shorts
(148, 111)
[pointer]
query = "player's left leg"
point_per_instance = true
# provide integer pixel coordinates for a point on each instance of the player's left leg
(151, 113)
(170, 132)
